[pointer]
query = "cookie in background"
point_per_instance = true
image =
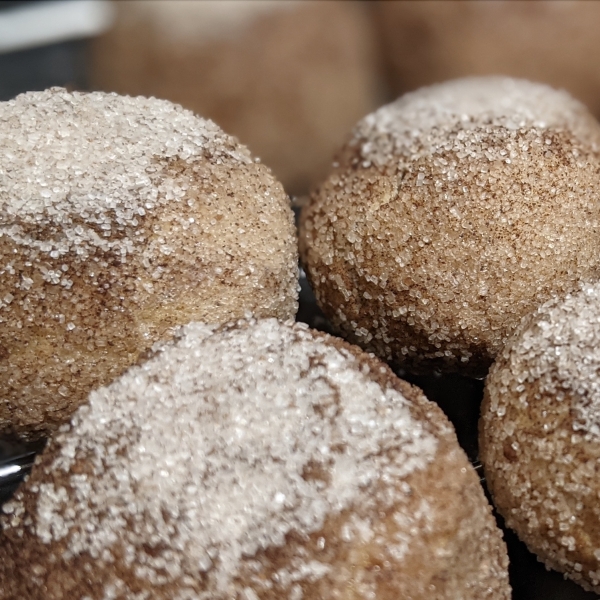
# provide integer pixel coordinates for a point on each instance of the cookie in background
(553, 42)
(288, 78)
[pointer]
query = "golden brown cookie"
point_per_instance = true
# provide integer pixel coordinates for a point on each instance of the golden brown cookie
(263, 461)
(449, 215)
(121, 218)
(540, 434)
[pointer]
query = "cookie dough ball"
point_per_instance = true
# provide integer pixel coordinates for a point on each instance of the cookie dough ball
(289, 78)
(265, 461)
(540, 435)
(450, 214)
(552, 42)
(121, 218)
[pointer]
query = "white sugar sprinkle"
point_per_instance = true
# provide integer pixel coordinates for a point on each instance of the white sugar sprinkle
(558, 349)
(540, 434)
(419, 122)
(222, 445)
(95, 164)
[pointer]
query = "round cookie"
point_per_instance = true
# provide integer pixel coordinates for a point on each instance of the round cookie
(449, 215)
(289, 78)
(121, 218)
(549, 41)
(261, 461)
(540, 434)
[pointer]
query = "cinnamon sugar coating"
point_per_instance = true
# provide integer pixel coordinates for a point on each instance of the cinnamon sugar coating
(540, 434)
(450, 214)
(259, 461)
(121, 218)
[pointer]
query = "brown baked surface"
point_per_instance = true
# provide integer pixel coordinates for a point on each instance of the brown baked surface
(449, 215)
(371, 494)
(120, 219)
(540, 435)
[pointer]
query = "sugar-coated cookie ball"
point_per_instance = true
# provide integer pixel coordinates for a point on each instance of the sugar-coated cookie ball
(288, 77)
(263, 461)
(121, 218)
(450, 214)
(540, 434)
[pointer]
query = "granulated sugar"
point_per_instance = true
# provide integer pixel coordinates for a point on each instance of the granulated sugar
(218, 448)
(121, 218)
(450, 214)
(540, 434)
(91, 172)
(419, 122)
